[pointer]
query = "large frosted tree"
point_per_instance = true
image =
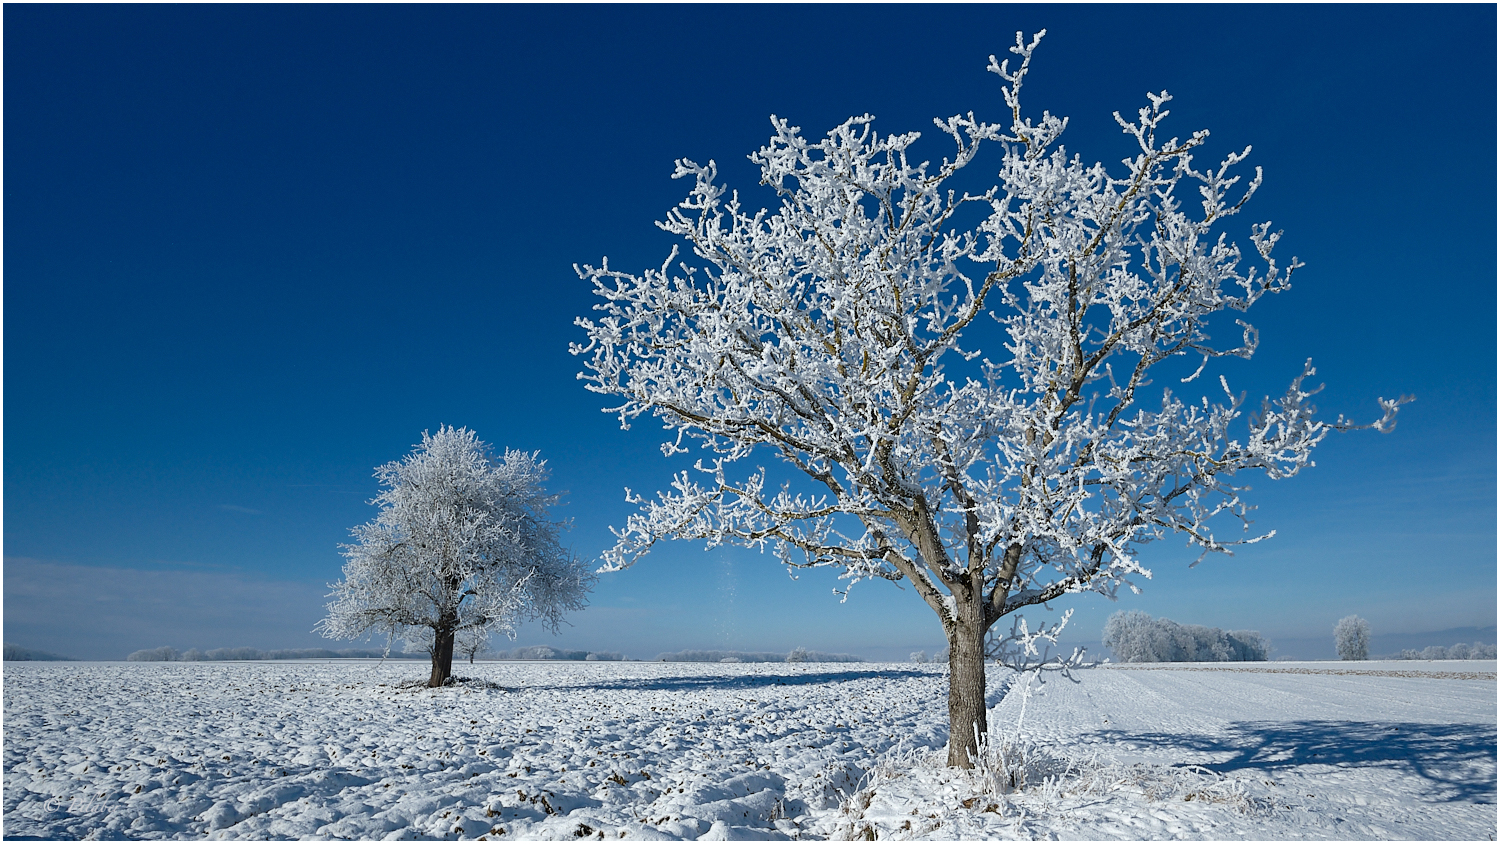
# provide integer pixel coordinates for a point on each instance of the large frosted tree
(462, 547)
(962, 379)
(1351, 638)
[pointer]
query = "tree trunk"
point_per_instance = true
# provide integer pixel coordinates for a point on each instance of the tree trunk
(442, 656)
(966, 706)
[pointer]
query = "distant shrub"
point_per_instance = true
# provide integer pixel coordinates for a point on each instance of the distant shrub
(1135, 636)
(919, 656)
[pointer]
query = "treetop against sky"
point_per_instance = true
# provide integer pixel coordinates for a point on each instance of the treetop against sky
(252, 253)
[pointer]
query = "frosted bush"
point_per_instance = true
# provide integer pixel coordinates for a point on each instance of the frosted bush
(1010, 762)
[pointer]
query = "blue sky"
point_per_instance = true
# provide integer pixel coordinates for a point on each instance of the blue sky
(253, 251)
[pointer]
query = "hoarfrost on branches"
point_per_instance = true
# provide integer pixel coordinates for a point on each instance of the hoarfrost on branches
(1020, 651)
(846, 331)
(462, 548)
(1351, 638)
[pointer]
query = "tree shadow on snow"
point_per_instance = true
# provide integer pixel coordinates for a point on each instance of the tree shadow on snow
(1456, 761)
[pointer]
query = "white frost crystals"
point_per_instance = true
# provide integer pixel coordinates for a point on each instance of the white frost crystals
(847, 331)
(462, 547)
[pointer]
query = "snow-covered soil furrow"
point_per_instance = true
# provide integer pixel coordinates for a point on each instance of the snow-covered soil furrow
(266, 750)
(651, 750)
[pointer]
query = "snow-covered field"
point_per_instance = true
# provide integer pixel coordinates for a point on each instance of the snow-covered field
(654, 750)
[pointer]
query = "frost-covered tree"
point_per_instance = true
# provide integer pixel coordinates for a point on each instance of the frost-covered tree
(962, 378)
(1351, 638)
(462, 547)
(472, 642)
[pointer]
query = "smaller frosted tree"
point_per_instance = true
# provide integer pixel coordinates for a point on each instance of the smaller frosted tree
(475, 642)
(1351, 638)
(462, 548)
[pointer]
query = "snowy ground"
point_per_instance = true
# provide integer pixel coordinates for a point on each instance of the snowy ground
(651, 750)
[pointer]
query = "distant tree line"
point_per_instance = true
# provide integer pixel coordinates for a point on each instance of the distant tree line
(1478, 650)
(167, 654)
(1135, 636)
(547, 652)
(796, 655)
(16, 653)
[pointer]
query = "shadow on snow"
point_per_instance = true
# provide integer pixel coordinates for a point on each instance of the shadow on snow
(1457, 761)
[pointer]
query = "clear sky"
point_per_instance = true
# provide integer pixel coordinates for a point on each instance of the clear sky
(253, 251)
